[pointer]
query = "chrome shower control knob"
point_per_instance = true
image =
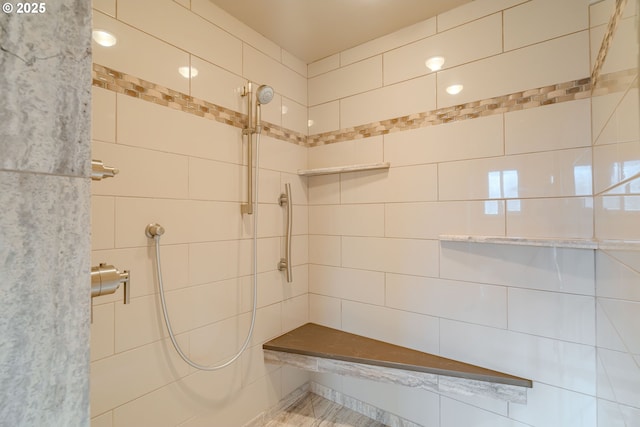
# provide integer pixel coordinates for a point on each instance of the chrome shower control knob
(154, 230)
(106, 279)
(99, 171)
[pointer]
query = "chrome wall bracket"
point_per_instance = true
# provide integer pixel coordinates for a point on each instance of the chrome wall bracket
(153, 230)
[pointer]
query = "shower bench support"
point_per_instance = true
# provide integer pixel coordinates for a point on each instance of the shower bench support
(320, 349)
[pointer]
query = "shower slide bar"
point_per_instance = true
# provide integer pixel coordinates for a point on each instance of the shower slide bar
(247, 208)
(285, 263)
(264, 95)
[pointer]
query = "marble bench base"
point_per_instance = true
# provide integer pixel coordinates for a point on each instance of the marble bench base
(431, 382)
(318, 348)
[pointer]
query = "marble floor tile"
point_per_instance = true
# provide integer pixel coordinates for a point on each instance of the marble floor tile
(316, 411)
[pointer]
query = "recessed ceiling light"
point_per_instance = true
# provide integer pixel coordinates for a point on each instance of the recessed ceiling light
(188, 72)
(454, 89)
(104, 38)
(434, 63)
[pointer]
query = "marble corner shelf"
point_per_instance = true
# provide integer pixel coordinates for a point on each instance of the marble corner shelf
(545, 242)
(342, 169)
(321, 349)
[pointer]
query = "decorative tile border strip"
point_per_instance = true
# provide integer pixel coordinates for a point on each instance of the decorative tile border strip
(608, 38)
(595, 85)
(119, 82)
(620, 81)
(569, 91)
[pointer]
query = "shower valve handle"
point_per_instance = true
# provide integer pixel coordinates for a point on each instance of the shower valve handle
(106, 279)
(99, 171)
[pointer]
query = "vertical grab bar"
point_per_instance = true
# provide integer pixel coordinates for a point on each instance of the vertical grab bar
(285, 263)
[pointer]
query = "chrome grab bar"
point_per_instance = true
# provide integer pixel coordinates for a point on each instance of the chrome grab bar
(285, 263)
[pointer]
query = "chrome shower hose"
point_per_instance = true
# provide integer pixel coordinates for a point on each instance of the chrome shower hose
(156, 238)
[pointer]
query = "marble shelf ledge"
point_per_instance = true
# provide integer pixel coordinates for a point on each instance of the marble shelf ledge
(630, 245)
(320, 349)
(522, 241)
(341, 169)
(619, 245)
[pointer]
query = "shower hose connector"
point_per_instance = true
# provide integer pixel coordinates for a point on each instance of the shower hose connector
(154, 230)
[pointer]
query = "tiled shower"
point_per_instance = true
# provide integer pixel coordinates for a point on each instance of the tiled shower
(503, 234)
(367, 250)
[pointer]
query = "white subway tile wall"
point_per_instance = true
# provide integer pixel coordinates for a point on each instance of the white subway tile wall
(520, 172)
(616, 139)
(103, 118)
(455, 413)
(555, 127)
(105, 6)
(390, 101)
(473, 11)
(346, 81)
(140, 54)
(369, 150)
(263, 69)
(518, 70)
(466, 139)
(521, 23)
(187, 171)
(391, 41)
(409, 61)
(168, 21)
(523, 150)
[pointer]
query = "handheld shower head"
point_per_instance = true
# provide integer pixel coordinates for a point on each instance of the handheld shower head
(264, 94)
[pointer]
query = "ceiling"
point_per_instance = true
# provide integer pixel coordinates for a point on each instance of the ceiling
(315, 29)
